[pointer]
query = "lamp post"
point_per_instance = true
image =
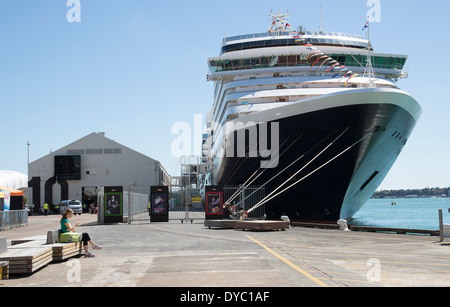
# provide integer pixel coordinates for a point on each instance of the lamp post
(28, 145)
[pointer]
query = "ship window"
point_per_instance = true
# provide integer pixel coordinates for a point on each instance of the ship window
(300, 60)
(381, 60)
(395, 62)
(237, 63)
(341, 59)
(369, 180)
(265, 61)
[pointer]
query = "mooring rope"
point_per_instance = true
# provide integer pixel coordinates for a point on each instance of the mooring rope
(296, 160)
(247, 183)
(236, 167)
(269, 197)
(265, 199)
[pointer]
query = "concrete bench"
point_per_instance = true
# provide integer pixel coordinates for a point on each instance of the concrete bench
(53, 236)
(28, 239)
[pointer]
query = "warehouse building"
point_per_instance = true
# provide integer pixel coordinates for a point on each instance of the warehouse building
(77, 170)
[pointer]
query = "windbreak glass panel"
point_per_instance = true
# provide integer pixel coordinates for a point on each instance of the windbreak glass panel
(347, 60)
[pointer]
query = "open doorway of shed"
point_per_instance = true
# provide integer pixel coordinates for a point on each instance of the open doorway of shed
(89, 198)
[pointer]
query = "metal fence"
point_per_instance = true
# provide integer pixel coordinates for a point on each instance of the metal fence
(138, 211)
(182, 211)
(9, 219)
(135, 207)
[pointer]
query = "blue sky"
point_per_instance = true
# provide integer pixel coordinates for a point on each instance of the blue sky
(134, 68)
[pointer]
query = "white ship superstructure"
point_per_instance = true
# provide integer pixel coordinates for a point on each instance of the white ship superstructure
(319, 88)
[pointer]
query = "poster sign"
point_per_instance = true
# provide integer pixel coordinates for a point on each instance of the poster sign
(159, 204)
(214, 202)
(7, 201)
(113, 206)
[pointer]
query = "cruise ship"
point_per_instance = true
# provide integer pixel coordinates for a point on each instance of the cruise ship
(314, 117)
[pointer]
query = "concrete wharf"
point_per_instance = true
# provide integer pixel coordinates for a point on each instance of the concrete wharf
(192, 255)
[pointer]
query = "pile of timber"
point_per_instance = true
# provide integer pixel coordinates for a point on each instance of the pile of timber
(62, 251)
(227, 224)
(27, 258)
(248, 224)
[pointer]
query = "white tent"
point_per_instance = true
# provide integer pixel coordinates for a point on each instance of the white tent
(13, 180)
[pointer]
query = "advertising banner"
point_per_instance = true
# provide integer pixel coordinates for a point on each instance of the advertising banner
(214, 202)
(113, 206)
(7, 201)
(159, 204)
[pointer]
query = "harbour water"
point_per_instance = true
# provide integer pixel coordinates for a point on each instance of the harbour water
(410, 213)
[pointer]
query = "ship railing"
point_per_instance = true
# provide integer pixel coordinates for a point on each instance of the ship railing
(255, 35)
(288, 33)
(216, 69)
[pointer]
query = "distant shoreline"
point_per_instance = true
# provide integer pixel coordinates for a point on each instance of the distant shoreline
(414, 193)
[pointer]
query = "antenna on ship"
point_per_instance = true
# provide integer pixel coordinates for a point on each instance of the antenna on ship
(321, 21)
(368, 71)
(279, 22)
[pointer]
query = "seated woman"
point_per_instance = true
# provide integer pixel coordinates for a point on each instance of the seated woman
(66, 227)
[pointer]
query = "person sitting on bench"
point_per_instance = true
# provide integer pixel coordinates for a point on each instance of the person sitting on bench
(66, 227)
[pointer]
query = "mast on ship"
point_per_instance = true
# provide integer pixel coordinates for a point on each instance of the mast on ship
(368, 71)
(279, 22)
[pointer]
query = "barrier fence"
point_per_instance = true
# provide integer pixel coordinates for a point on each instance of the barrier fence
(185, 210)
(9, 219)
